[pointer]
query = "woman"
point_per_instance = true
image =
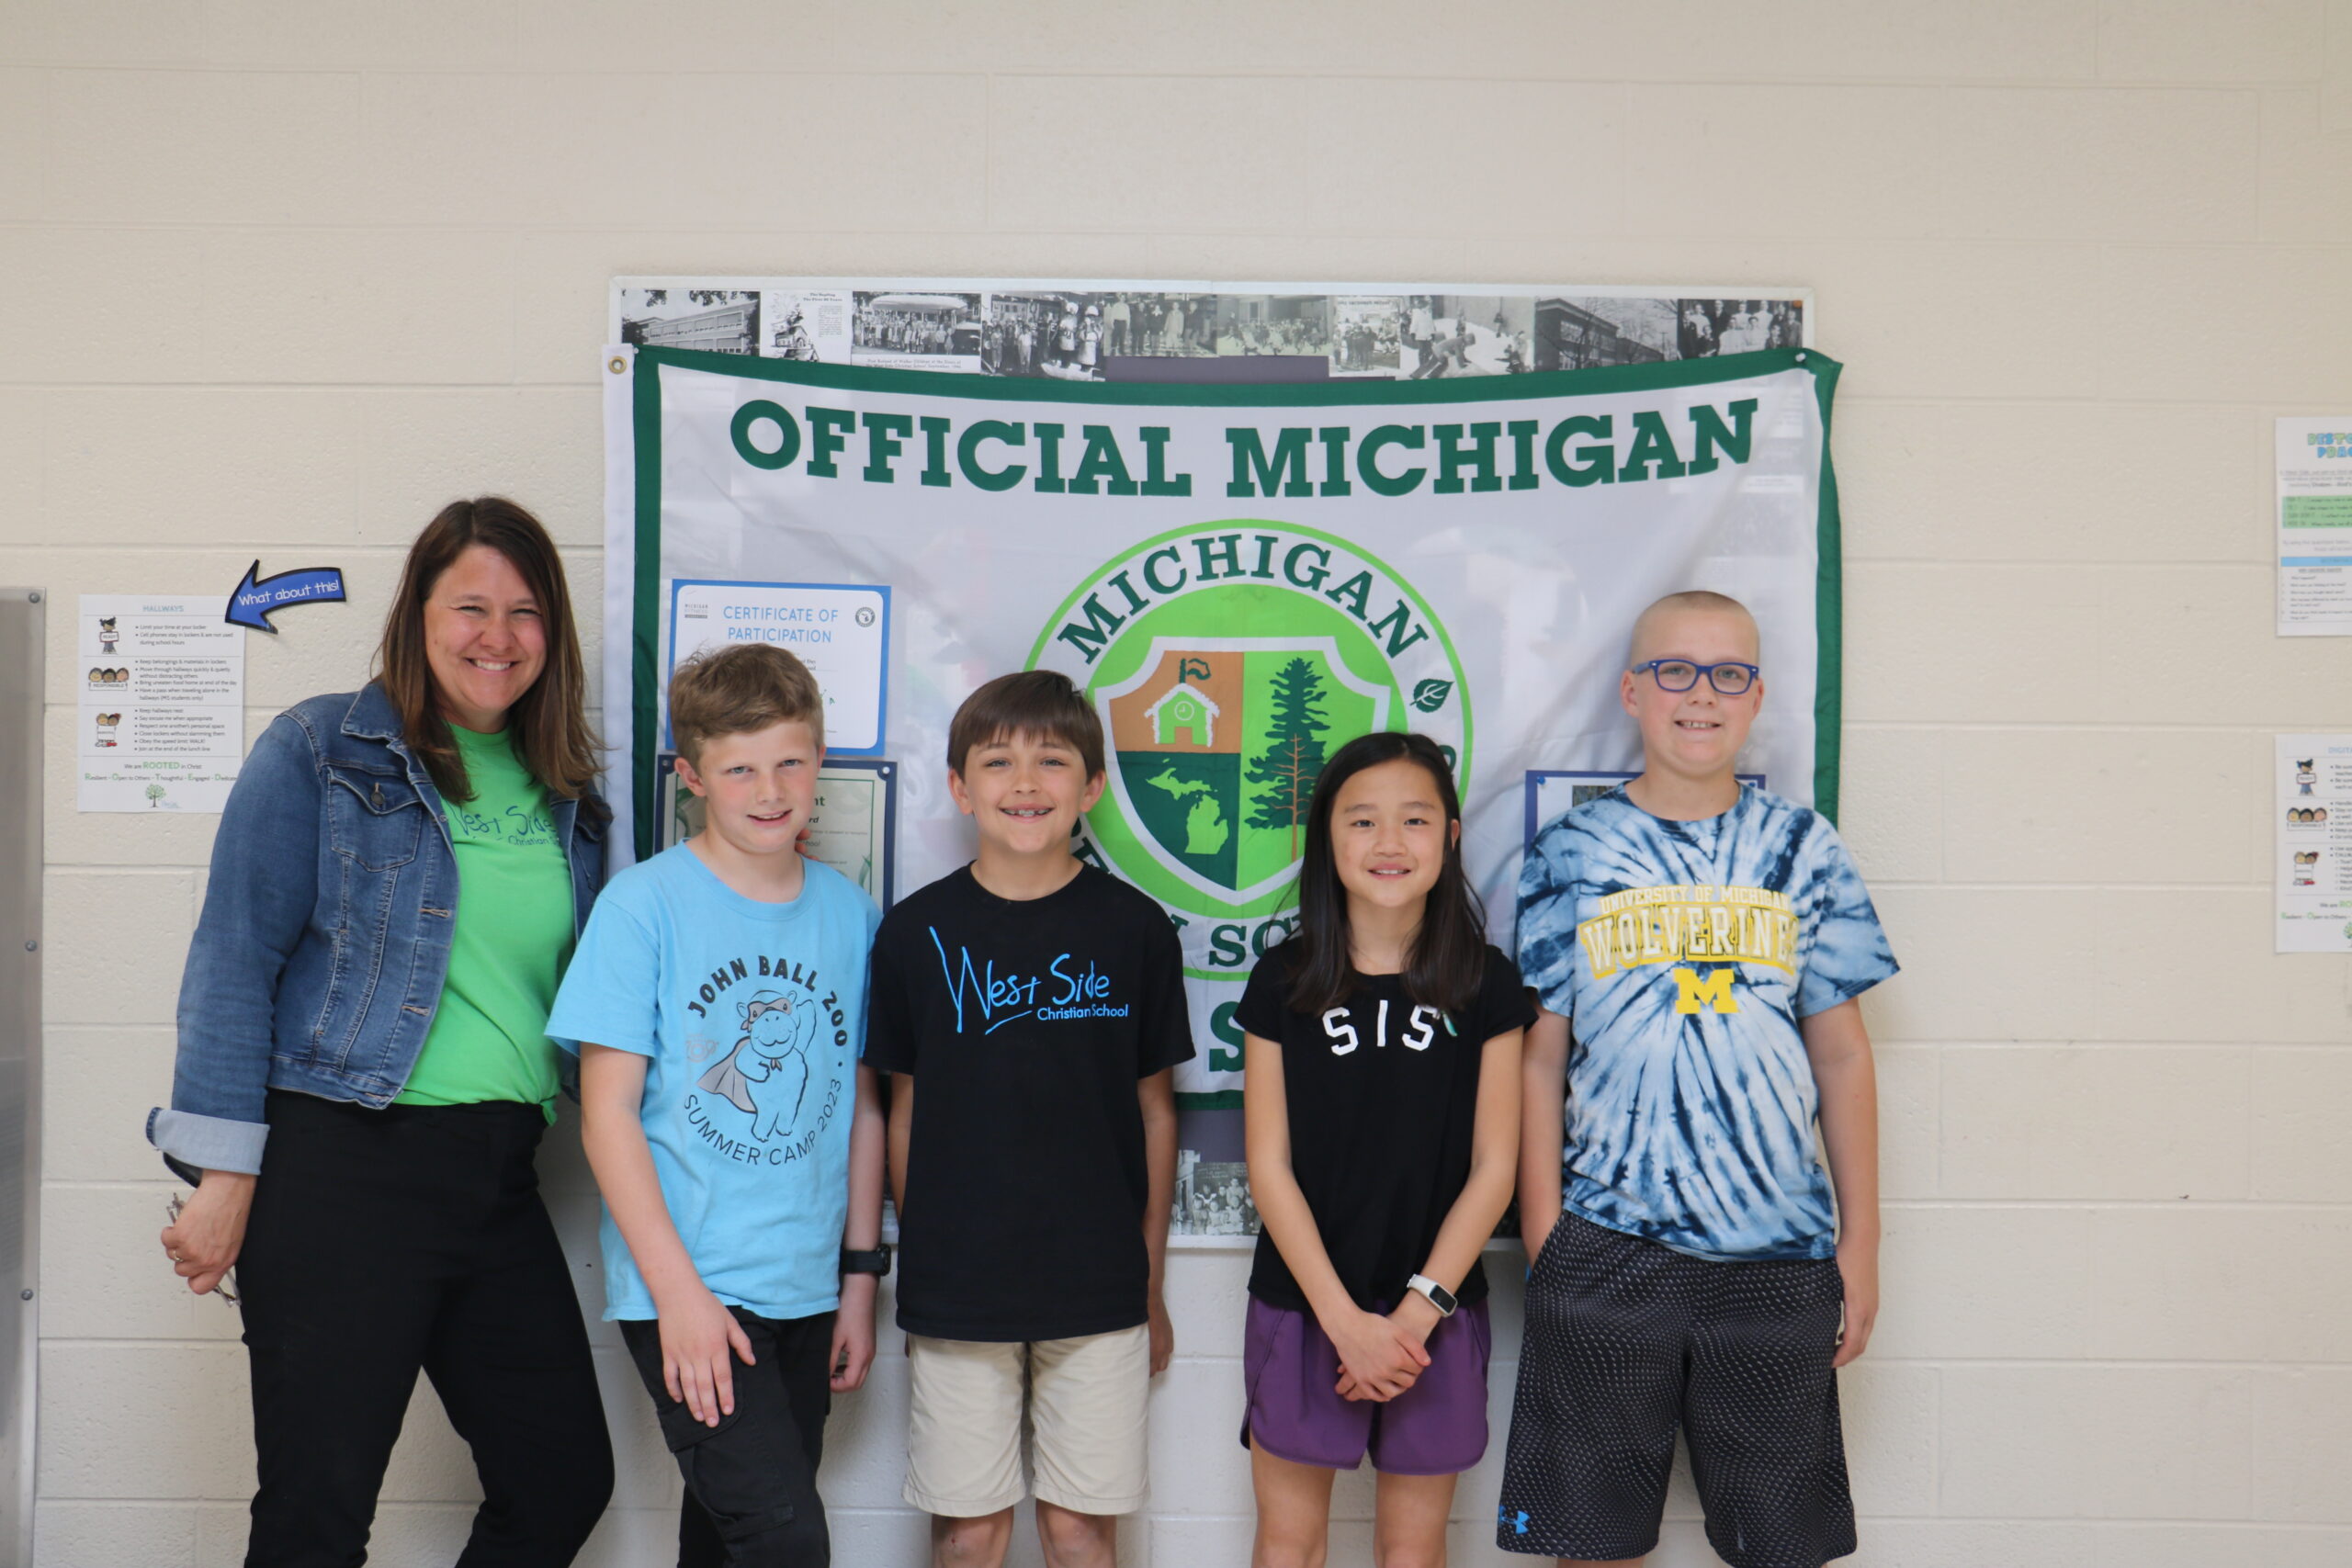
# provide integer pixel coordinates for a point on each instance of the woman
(396, 883)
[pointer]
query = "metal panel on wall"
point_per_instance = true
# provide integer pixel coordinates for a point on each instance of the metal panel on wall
(21, 616)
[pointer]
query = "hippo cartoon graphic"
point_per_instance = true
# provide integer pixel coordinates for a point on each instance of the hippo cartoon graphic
(772, 1057)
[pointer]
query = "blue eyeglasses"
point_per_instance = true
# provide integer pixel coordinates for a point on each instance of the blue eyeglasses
(1730, 678)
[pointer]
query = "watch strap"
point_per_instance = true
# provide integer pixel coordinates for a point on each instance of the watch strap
(1438, 1295)
(876, 1261)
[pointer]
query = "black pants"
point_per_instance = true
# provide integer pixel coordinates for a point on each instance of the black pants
(751, 1480)
(386, 1242)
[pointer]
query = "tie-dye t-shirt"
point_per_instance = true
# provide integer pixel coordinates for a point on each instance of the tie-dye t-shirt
(1682, 954)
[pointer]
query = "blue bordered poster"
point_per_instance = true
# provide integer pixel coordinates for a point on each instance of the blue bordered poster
(1552, 791)
(842, 631)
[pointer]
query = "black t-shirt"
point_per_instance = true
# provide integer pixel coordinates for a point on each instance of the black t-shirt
(1026, 1025)
(1384, 1102)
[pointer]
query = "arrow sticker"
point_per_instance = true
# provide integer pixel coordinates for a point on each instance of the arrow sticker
(254, 599)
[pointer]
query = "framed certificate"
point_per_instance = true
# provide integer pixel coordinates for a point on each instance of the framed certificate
(855, 827)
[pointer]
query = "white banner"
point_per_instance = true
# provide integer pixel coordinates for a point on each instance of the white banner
(1241, 578)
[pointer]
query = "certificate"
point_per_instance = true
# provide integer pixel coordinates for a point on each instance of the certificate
(854, 827)
(842, 631)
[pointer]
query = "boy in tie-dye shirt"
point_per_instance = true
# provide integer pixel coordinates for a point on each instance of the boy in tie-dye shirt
(1698, 946)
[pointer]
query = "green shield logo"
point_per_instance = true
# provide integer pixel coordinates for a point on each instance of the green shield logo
(1215, 745)
(1228, 662)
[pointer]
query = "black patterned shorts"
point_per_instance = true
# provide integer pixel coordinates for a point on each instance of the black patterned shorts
(1626, 1341)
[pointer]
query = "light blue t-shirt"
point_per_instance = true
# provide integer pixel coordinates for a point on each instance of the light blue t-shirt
(1682, 954)
(753, 1017)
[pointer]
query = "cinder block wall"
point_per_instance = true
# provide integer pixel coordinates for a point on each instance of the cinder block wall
(281, 278)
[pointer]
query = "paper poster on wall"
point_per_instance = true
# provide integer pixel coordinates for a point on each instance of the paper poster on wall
(161, 688)
(853, 826)
(840, 631)
(1468, 334)
(912, 330)
(719, 317)
(2313, 524)
(1101, 329)
(807, 324)
(2311, 814)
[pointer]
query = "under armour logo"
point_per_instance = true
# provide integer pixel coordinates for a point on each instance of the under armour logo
(1517, 1522)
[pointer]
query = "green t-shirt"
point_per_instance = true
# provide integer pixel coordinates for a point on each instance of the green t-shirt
(514, 933)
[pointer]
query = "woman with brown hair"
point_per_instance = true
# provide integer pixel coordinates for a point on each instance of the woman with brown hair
(396, 885)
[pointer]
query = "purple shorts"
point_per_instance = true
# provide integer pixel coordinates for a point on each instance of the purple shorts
(1438, 1426)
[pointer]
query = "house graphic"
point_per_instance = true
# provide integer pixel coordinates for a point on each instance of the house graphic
(1183, 709)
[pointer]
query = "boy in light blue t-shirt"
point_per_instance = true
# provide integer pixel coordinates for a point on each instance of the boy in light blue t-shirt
(718, 1003)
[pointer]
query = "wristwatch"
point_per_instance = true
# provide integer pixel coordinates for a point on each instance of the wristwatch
(1440, 1297)
(877, 1262)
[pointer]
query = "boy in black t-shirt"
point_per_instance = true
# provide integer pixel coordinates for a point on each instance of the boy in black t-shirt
(1038, 1004)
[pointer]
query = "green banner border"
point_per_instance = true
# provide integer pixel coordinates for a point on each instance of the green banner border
(1293, 394)
(646, 409)
(1828, 606)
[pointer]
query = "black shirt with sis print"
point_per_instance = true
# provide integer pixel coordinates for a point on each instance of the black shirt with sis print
(1382, 1096)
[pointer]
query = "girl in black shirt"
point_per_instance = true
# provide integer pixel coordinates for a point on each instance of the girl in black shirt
(1383, 1126)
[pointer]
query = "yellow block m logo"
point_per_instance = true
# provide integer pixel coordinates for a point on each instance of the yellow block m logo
(1698, 989)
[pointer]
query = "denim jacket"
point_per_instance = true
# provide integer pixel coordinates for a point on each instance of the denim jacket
(325, 941)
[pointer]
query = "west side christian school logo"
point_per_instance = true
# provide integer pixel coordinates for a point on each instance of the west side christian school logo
(1228, 662)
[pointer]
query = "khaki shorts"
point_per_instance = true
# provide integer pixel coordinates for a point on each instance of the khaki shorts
(1085, 1400)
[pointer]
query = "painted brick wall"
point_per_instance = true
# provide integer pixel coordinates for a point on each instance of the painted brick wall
(282, 277)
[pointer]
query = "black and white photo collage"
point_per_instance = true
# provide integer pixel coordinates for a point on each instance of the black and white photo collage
(1102, 331)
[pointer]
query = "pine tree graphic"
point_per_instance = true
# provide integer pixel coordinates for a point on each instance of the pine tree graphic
(1289, 765)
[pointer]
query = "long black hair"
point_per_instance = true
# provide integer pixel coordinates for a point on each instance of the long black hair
(1448, 955)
